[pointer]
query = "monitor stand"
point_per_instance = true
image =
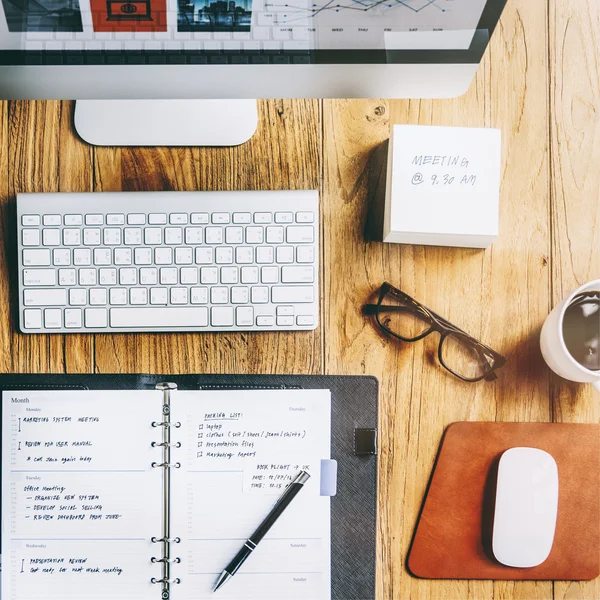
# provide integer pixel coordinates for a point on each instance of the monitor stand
(166, 122)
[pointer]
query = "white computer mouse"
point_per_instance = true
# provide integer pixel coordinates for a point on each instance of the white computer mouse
(526, 507)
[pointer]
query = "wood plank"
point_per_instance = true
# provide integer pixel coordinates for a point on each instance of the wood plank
(574, 34)
(418, 398)
(6, 317)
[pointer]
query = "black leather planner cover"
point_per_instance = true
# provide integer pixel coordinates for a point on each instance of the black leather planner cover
(354, 413)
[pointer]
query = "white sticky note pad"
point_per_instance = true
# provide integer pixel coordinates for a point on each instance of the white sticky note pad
(443, 186)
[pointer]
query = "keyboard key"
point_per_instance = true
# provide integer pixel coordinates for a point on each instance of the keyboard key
(36, 258)
(221, 316)
(96, 317)
(213, 235)
(305, 217)
(204, 256)
(118, 296)
(188, 275)
(224, 256)
(209, 275)
(263, 217)
(242, 218)
(285, 321)
(199, 218)
(274, 235)
(163, 318)
(149, 276)
(71, 237)
(269, 275)
(108, 276)
(73, 318)
(98, 296)
(30, 220)
(305, 254)
(168, 276)
(285, 254)
(265, 321)
(229, 275)
(102, 256)
(61, 257)
(284, 217)
(219, 295)
(31, 237)
(115, 219)
(199, 295)
(292, 294)
(300, 235)
(51, 237)
(157, 219)
(123, 256)
(91, 237)
(234, 235)
(82, 257)
(193, 235)
(179, 295)
(285, 311)
(77, 297)
(163, 256)
(32, 318)
(52, 220)
(244, 255)
(178, 219)
(173, 235)
(244, 316)
(249, 275)
(254, 235)
(152, 236)
(297, 274)
(39, 277)
(221, 218)
(88, 277)
(183, 256)
(239, 295)
(56, 297)
(133, 236)
(260, 295)
(159, 296)
(94, 219)
(73, 220)
(136, 219)
(112, 236)
(137, 296)
(264, 255)
(67, 277)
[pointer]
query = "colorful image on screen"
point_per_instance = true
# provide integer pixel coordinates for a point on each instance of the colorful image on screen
(42, 15)
(214, 15)
(129, 15)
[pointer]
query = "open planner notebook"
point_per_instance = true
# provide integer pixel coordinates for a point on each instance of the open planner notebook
(94, 481)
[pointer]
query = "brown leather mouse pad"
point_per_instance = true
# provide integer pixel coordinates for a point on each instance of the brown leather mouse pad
(453, 537)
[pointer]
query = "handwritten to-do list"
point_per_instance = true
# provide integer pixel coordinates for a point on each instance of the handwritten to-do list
(80, 491)
(226, 438)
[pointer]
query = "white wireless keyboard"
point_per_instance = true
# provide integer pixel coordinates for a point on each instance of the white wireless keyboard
(168, 261)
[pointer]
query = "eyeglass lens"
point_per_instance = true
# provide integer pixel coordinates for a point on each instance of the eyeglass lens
(402, 317)
(463, 357)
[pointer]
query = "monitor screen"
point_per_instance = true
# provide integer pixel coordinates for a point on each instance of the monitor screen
(240, 31)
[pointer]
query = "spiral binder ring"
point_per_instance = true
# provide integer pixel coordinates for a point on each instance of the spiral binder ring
(169, 560)
(164, 444)
(166, 540)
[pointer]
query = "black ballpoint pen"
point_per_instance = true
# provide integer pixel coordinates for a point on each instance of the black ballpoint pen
(288, 495)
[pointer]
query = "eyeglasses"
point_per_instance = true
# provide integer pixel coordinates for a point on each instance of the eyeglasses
(403, 317)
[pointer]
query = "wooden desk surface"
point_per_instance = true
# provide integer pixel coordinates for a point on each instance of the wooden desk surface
(539, 83)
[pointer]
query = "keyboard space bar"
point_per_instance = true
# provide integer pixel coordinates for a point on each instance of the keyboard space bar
(163, 317)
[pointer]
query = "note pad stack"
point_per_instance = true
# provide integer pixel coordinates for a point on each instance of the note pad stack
(107, 494)
(443, 186)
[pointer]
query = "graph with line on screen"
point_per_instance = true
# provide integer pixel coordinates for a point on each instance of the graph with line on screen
(373, 24)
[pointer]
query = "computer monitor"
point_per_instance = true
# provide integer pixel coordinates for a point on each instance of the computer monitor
(235, 49)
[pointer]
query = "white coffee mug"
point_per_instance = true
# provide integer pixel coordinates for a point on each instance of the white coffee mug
(554, 349)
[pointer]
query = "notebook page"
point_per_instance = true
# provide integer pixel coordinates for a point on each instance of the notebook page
(79, 497)
(239, 451)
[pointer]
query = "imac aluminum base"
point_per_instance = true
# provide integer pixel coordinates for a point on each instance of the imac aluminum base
(166, 122)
